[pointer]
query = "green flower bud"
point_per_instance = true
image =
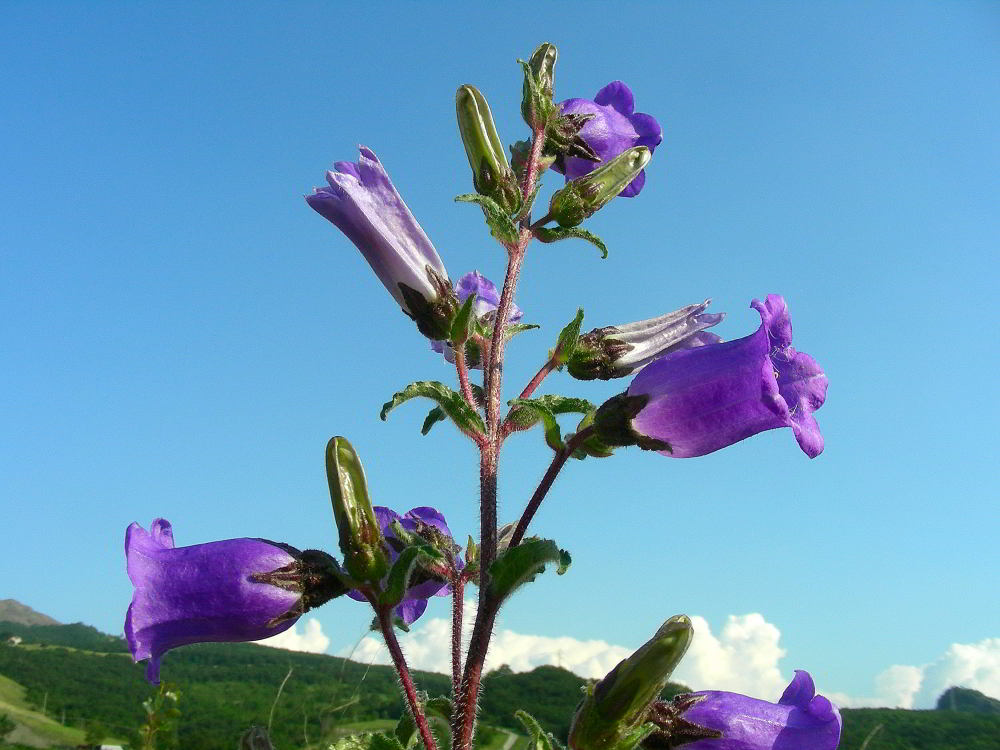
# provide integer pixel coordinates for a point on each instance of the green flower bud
(491, 174)
(543, 65)
(586, 195)
(361, 541)
(618, 705)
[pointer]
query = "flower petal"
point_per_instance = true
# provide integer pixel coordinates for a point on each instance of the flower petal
(618, 95)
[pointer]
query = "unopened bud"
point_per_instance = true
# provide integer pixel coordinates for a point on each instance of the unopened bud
(361, 541)
(586, 195)
(543, 65)
(620, 702)
(491, 174)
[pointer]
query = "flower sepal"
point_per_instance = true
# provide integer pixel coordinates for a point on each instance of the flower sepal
(315, 575)
(613, 424)
(434, 315)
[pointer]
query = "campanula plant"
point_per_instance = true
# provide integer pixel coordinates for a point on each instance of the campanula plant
(691, 393)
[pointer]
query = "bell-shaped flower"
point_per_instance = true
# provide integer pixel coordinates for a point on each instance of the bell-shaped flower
(620, 350)
(363, 203)
(716, 720)
(487, 300)
(614, 127)
(430, 525)
(696, 401)
(233, 590)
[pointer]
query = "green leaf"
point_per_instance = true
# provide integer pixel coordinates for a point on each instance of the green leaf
(566, 343)
(563, 233)
(540, 739)
(434, 416)
(515, 328)
(401, 571)
(451, 403)
(500, 224)
(368, 741)
(464, 323)
(435, 708)
(519, 565)
(527, 412)
(526, 206)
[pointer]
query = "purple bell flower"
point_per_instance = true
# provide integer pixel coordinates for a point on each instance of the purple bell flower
(487, 301)
(205, 592)
(800, 720)
(614, 128)
(363, 203)
(425, 522)
(706, 398)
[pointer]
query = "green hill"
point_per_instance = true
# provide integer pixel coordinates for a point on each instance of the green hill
(86, 676)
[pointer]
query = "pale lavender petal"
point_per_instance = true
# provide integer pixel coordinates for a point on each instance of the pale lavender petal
(363, 203)
(409, 610)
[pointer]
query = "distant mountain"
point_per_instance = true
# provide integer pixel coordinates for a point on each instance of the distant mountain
(967, 701)
(12, 610)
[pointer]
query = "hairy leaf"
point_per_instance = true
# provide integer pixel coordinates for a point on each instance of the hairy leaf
(519, 565)
(451, 403)
(555, 234)
(500, 224)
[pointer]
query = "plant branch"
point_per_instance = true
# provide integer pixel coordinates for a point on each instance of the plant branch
(457, 604)
(399, 661)
(543, 487)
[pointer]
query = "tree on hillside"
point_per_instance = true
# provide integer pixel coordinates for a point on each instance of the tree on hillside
(6, 726)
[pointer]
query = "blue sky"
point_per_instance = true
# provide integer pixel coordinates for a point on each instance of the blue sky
(181, 334)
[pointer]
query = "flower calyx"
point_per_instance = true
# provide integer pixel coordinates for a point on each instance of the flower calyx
(314, 574)
(434, 315)
(672, 729)
(613, 423)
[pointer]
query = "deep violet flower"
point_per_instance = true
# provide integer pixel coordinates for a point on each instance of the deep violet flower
(703, 399)
(487, 300)
(429, 524)
(214, 591)
(620, 350)
(614, 128)
(800, 720)
(363, 203)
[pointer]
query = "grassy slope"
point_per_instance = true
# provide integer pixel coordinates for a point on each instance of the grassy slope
(45, 729)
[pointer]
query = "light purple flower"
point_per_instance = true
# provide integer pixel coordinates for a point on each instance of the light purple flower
(614, 128)
(800, 720)
(487, 300)
(418, 521)
(363, 203)
(704, 399)
(201, 593)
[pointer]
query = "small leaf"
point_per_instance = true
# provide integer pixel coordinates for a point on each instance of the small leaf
(526, 206)
(434, 416)
(527, 412)
(500, 224)
(537, 411)
(515, 328)
(562, 233)
(566, 343)
(463, 324)
(451, 403)
(519, 565)
(398, 580)
(539, 738)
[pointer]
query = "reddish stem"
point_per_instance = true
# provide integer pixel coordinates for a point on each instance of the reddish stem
(457, 604)
(463, 377)
(385, 624)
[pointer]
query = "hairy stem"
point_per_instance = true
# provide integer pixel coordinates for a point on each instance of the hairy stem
(543, 487)
(464, 718)
(463, 377)
(399, 661)
(457, 605)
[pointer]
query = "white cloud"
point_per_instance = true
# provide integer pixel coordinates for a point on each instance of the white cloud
(311, 639)
(743, 658)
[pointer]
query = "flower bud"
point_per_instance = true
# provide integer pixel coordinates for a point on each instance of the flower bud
(536, 100)
(586, 195)
(491, 174)
(543, 65)
(617, 351)
(361, 541)
(619, 703)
